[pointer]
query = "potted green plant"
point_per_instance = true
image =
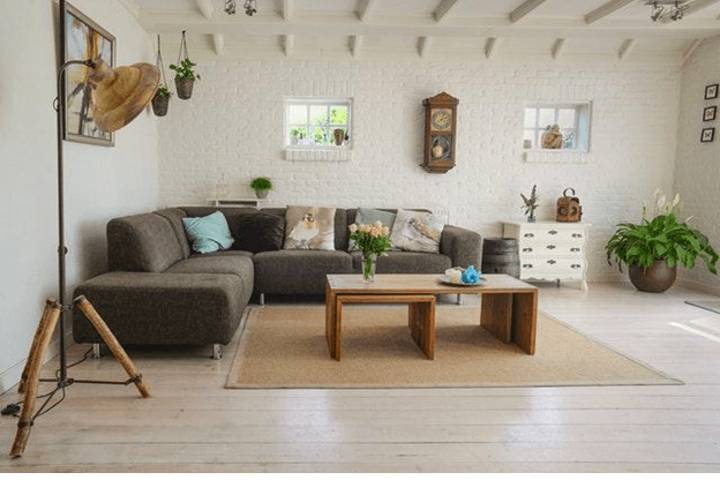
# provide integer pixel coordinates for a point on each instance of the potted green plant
(161, 100)
(653, 248)
(185, 77)
(261, 185)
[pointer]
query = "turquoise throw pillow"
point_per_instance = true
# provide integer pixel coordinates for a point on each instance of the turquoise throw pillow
(208, 234)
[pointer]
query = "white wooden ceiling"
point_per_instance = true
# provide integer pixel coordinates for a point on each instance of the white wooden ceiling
(554, 30)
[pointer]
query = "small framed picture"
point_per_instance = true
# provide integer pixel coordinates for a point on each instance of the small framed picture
(711, 91)
(709, 113)
(707, 135)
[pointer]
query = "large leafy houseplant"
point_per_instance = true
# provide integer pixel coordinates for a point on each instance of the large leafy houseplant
(653, 248)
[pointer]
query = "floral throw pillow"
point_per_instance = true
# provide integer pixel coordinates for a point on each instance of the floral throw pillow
(309, 228)
(417, 232)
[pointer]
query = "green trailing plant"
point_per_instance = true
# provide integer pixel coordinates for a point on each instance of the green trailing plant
(163, 91)
(261, 183)
(659, 238)
(185, 70)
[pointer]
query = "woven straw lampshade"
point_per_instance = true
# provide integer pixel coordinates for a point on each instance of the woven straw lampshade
(120, 94)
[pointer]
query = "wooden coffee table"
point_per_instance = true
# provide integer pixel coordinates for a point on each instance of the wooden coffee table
(509, 306)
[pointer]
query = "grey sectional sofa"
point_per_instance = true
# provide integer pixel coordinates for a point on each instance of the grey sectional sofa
(158, 292)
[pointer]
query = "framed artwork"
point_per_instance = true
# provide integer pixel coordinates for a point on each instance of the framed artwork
(707, 135)
(83, 39)
(709, 113)
(711, 91)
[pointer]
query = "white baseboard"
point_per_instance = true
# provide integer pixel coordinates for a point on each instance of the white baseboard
(699, 286)
(11, 376)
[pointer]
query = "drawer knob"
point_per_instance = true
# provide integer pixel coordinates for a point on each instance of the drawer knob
(527, 265)
(527, 249)
(575, 266)
(575, 249)
(577, 235)
(552, 232)
(551, 247)
(529, 235)
(552, 262)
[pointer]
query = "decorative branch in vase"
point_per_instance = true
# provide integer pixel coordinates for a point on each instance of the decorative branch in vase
(373, 240)
(531, 204)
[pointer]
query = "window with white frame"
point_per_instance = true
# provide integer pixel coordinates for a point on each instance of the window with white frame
(318, 122)
(571, 121)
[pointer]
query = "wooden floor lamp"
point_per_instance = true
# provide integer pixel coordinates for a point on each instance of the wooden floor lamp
(118, 96)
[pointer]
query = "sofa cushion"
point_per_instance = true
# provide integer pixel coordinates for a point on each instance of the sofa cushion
(341, 224)
(208, 234)
(298, 271)
(142, 243)
(407, 262)
(236, 264)
(309, 228)
(259, 232)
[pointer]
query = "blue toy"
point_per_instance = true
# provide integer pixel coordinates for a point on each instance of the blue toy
(470, 275)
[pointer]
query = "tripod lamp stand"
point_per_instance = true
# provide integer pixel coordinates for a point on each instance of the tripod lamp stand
(118, 96)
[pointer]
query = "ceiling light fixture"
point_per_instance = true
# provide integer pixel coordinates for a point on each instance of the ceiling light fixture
(666, 10)
(250, 7)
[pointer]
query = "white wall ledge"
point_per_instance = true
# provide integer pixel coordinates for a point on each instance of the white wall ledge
(318, 155)
(556, 156)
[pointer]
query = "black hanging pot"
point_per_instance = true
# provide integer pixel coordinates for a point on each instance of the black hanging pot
(160, 104)
(184, 87)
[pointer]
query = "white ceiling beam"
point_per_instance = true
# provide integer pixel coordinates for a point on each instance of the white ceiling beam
(366, 9)
(205, 7)
(698, 5)
(491, 46)
(458, 26)
(627, 46)
(287, 10)
(606, 9)
(423, 46)
(690, 50)
(443, 9)
(525, 8)
(557, 48)
(288, 44)
(218, 41)
(356, 43)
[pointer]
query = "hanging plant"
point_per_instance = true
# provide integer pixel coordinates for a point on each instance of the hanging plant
(184, 74)
(161, 100)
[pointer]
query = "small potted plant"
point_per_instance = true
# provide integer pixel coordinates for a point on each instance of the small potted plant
(185, 78)
(161, 100)
(653, 248)
(373, 241)
(261, 185)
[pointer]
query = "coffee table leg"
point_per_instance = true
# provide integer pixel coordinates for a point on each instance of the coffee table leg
(337, 329)
(330, 320)
(524, 320)
(497, 314)
(421, 319)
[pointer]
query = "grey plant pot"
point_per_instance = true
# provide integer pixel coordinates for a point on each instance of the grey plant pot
(261, 193)
(184, 87)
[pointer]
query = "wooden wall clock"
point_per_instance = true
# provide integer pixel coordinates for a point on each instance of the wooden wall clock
(440, 133)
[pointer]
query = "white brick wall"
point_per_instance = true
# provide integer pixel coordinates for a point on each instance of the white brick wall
(697, 173)
(233, 124)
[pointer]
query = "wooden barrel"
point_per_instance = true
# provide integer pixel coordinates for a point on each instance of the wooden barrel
(500, 255)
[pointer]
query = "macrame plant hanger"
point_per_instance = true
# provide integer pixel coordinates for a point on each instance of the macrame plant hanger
(161, 100)
(184, 86)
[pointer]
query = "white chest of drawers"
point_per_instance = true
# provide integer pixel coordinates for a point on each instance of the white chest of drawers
(551, 250)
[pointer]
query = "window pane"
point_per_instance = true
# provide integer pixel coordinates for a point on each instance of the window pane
(297, 135)
(318, 115)
(566, 118)
(530, 117)
(547, 117)
(569, 138)
(528, 138)
(338, 114)
(297, 114)
(320, 136)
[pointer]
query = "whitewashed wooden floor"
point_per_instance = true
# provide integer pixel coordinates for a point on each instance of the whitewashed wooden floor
(193, 424)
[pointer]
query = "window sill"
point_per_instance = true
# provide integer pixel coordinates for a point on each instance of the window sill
(321, 154)
(556, 156)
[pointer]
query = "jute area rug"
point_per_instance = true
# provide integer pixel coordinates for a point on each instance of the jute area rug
(284, 347)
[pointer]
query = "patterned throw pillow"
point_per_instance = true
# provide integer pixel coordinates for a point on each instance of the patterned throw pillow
(417, 232)
(368, 216)
(309, 228)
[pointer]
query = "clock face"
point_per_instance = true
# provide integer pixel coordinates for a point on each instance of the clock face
(441, 119)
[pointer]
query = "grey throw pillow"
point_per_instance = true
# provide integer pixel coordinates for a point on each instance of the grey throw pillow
(417, 232)
(369, 216)
(309, 228)
(259, 232)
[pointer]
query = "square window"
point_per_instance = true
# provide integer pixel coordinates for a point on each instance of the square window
(573, 121)
(310, 122)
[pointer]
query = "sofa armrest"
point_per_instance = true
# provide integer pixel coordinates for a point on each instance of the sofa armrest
(461, 245)
(144, 308)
